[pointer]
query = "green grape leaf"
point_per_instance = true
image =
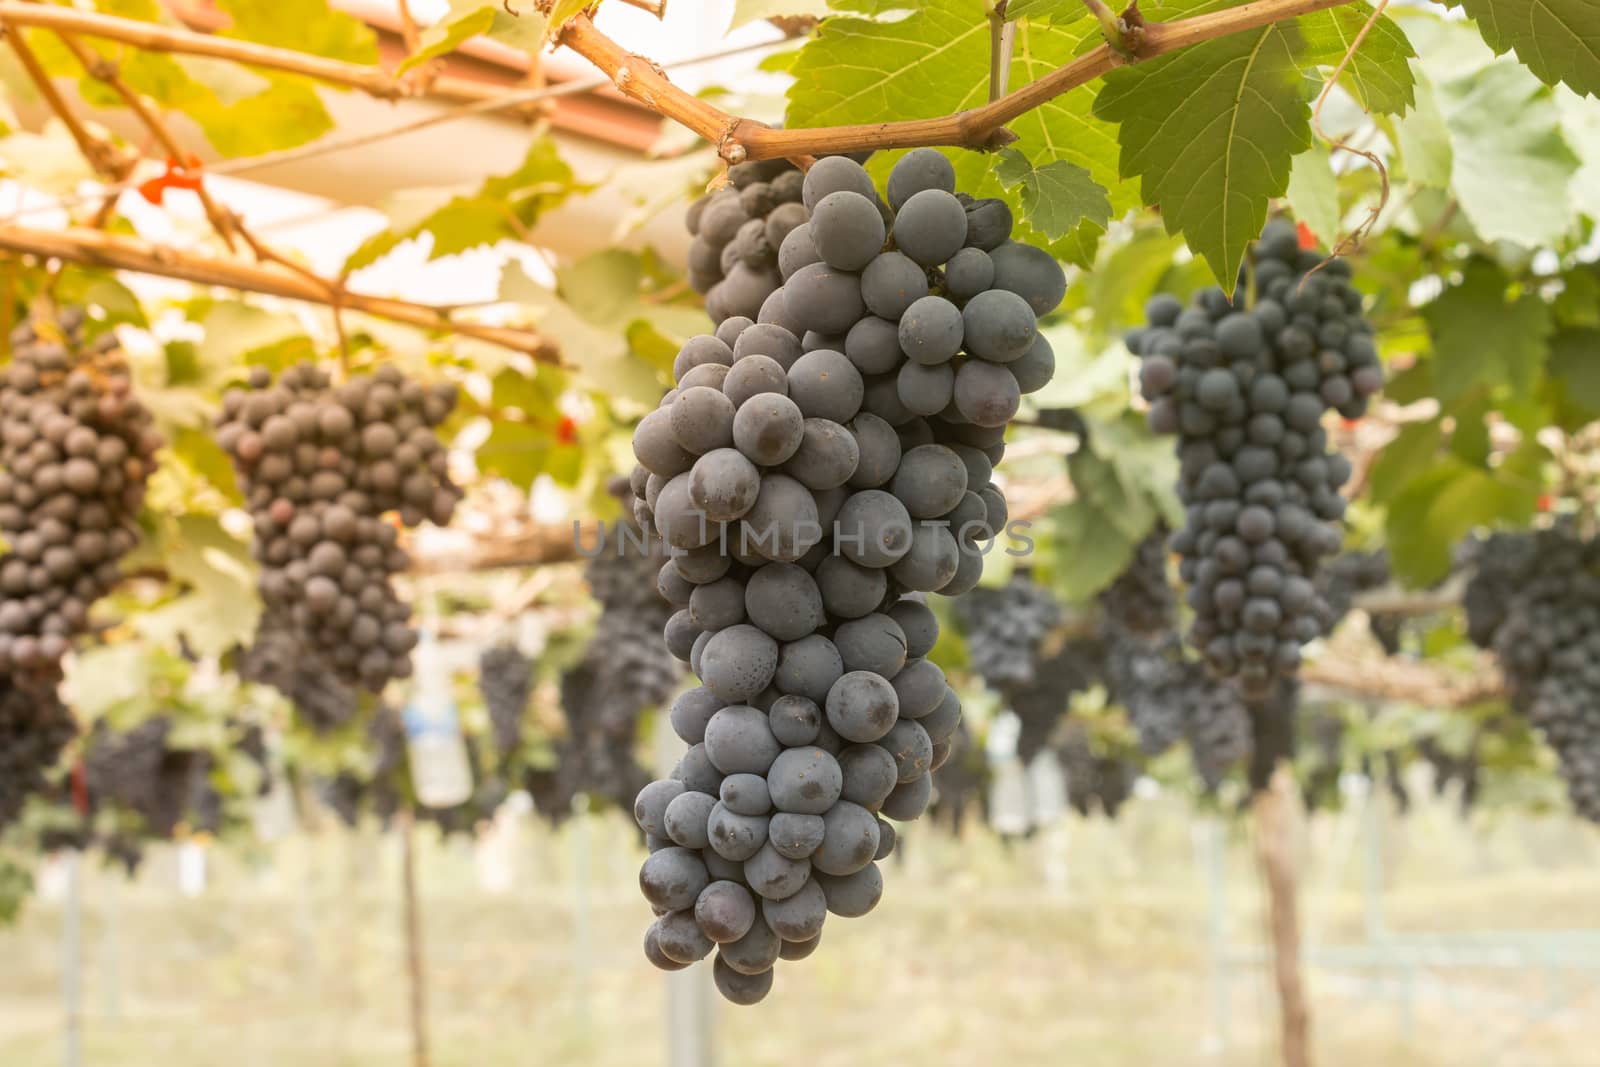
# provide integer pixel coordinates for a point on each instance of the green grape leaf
(1055, 197)
(1240, 106)
(1127, 276)
(1410, 453)
(1580, 125)
(1481, 336)
(1379, 73)
(934, 62)
(501, 208)
(748, 11)
(220, 608)
(1425, 139)
(1575, 362)
(1511, 178)
(1101, 482)
(198, 450)
(1559, 40)
(1091, 549)
(466, 19)
(1438, 508)
(563, 13)
(1314, 194)
(304, 25)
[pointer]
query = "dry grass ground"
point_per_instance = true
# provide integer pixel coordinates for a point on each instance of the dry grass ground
(294, 956)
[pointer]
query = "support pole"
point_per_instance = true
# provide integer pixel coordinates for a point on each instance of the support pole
(691, 1008)
(72, 961)
(1275, 811)
(415, 970)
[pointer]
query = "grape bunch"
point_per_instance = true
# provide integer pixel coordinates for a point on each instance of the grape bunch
(322, 468)
(814, 476)
(76, 449)
(1140, 598)
(1039, 704)
(505, 679)
(1245, 388)
(738, 230)
(1004, 629)
(383, 780)
(1546, 635)
(1096, 780)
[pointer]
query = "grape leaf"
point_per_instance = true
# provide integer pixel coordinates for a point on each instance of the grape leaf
(1091, 550)
(1410, 453)
(1055, 197)
(1511, 178)
(1481, 336)
(1580, 125)
(467, 19)
(563, 12)
(502, 207)
(747, 11)
(1575, 361)
(934, 62)
(1425, 140)
(1314, 194)
(1211, 132)
(1379, 73)
(1559, 40)
(304, 25)
(1438, 508)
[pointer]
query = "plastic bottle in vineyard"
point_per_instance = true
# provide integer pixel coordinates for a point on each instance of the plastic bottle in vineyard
(438, 754)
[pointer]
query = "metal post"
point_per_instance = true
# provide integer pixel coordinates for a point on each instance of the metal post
(582, 940)
(1210, 845)
(72, 961)
(415, 969)
(1372, 865)
(111, 947)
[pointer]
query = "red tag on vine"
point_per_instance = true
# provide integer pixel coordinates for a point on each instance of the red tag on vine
(567, 430)
(1546, 502)
(180, 174)
(1308, 240)
(80, 788)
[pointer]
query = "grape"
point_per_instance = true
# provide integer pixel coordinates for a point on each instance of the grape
(1031, 273)
(850, 590)
(783, 600)
(834, 174)
(673, 878)
(652, 951)
(798, 917)
(999, 325)
(932, 562)
(796, 836)
(771, 340)
(847, 230)
(891, 283)
(852, 895)
(797, 251)
(755, 374)
(768, 429)
(873, 528)
(685, 820)
(739, 662)
(909, 800)
(728, 332)
(931, 330)
(650, 808)
(988, 224)
(795, 720)
(849, 842)
(701, 420)
(739, 988)
(805, 781)
(873, 346)
(823, 299)
(931, 226)
(919, 687)
(985, 393)
(808, 668)
(969, 273)
(775, 876)
(925, 390)
(717, 605)
(725, 911)
(826, 385)
(919, 169)
(930, 481)
(698, 351)
(724, 484)
(877, 451)
(657, 448)
(783, 524)
(827, 457)
(1035, 367)
(739, 741)
(861, 706)
(690, 713)
(874, 643)
(735, 837)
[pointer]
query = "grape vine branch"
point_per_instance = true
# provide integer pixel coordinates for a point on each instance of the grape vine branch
(741, 139)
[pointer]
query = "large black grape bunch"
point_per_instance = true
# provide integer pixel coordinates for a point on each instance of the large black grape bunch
(1140, 599)
(738, 231)
(1076, 665)
(1096, 780)
(815, 475)
(1546, 635)
(1245, 387)
(1004, 628)
(277, 658)
(324, 468)
(505, 680)
(76, 449)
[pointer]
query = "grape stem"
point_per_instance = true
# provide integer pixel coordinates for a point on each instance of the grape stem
(741, 139)
(1002, 36)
